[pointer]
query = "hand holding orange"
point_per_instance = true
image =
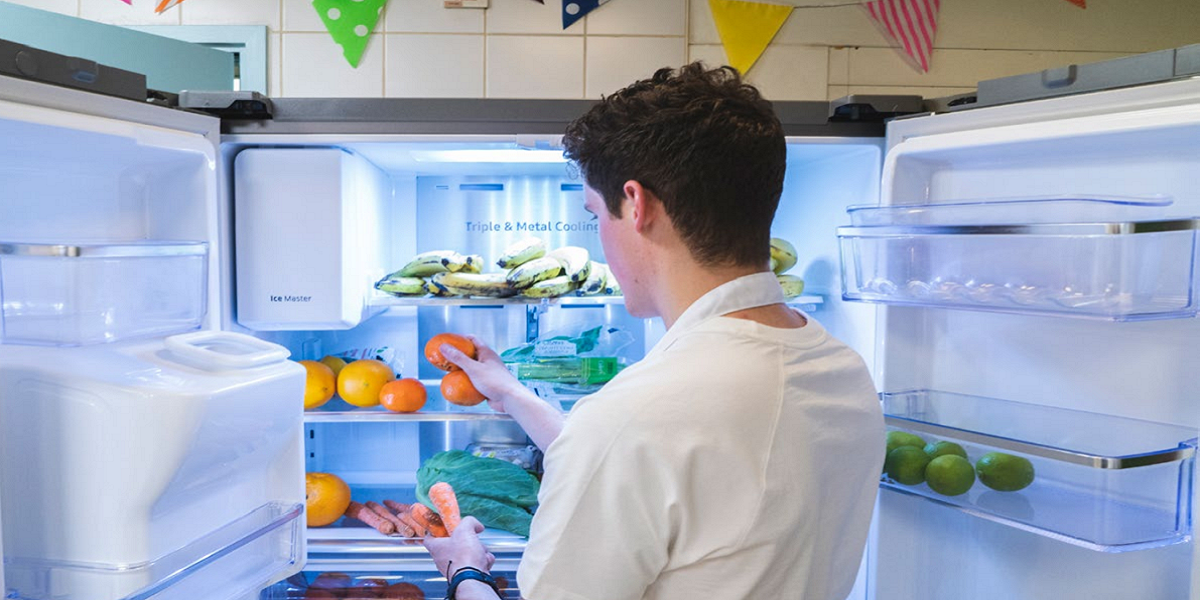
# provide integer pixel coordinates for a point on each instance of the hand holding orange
(433, 349)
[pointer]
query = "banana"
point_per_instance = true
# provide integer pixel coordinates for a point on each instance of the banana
(550, 288)
(784, 255)
(574, 259)
(772, 263)
(594, 284)
(792, 286)
(538, 269)
(402, 286)
(521, 252)
(428, 263)
(612, 287)
(434, 289)
(490, 285)
(473, 264)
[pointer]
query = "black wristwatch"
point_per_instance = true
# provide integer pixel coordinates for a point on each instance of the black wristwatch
(465, 573)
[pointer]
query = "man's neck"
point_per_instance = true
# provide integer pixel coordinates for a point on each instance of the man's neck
(685, 284)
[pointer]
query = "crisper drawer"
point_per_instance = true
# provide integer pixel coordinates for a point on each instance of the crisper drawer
(1116, 271)
(404, 580)
(72, 295)
(1102, 482)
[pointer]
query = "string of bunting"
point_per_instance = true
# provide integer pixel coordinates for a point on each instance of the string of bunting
(746, 27)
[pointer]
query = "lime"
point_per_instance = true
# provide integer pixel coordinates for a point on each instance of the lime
(936, 449)
(906, 465)
(1004, 472)
(895, 439)
(950, 475)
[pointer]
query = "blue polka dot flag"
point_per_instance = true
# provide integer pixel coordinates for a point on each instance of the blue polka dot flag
(573, 10)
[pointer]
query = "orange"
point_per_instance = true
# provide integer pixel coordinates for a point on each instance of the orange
(326, 498)
(359, 382)
(319, 384)
(334, 363)
(458, 389)
(403, 395)
(433, 349)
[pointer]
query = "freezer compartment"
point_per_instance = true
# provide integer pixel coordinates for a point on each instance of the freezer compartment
(77, 294)
(1101, 482)
(1115, 271)
(400, 581)
(240, 558)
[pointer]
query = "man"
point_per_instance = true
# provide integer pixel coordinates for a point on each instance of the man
(740, 457)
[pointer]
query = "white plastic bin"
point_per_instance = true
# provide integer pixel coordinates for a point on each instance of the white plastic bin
(72, 295)
(155, 469)
(1065, 257)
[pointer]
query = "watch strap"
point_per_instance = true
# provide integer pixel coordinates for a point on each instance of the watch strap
(470, 573)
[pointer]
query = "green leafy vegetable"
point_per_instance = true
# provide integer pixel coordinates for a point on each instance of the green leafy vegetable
(496, 492)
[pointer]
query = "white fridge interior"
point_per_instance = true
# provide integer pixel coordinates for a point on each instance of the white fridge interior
(354, 208)
(1005, 325)
(146, 453)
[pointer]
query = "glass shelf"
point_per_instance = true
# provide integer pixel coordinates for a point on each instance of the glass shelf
(385, 300)
(1102, 482)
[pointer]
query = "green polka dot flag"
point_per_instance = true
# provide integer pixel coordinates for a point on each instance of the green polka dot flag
(350, 23)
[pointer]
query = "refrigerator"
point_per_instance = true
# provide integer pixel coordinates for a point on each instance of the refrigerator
(1018, 268)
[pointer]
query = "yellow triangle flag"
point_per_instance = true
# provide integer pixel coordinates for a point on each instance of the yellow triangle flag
(746, 28)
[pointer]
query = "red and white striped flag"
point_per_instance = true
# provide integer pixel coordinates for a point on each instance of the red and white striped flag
(909, 24)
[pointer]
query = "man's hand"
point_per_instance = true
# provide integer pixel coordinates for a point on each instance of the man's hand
(488, 374)
(462, 549)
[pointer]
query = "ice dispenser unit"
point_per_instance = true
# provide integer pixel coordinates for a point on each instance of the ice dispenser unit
(164, 468)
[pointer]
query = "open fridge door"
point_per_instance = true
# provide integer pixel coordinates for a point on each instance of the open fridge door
(1034, 267)
(146, 453)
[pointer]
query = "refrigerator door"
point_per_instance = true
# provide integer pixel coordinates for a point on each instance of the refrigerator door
(107, 198)
(1034, 267)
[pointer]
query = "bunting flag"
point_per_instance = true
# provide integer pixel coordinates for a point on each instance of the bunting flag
(574, 10)
(350, 23)
(1079, 3)
(163, 5)
(910, 26)
(129, 2)
(746, 28)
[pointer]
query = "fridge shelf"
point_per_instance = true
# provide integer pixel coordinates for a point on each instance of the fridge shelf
(1106, 483)
(77, 294)
(368, 579)
(806, 302)
(1119, 271)
(236, 557)
(436, 409)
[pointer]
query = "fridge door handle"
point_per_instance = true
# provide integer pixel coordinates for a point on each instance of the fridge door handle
(225, 350)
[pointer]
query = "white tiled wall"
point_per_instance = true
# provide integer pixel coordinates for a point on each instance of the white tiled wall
(518, 49)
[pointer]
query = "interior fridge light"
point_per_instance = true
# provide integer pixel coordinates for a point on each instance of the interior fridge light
(491, 156)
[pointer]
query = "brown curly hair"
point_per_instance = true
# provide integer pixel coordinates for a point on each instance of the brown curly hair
(705, 143)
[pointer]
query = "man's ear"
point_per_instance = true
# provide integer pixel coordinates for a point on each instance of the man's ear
(642, 204)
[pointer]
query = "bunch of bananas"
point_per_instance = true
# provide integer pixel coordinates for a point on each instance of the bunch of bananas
(783, 257)
(529, 270)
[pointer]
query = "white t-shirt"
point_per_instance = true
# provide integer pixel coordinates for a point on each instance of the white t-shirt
(735, 461)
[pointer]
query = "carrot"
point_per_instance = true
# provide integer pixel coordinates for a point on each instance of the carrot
(446, 502)
(401, 528)
(368, 516)
(403, 512)
(421, 514)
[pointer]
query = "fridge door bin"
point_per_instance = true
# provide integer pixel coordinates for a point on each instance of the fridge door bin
(72, 295)
(240, 558)
(1114, 271)
(1066, 208)
(1102, 482)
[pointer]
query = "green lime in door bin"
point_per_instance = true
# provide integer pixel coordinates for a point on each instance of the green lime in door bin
(949, 475)
(936, 449)
(1004, 472)
(906, 464)
(895, 439)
